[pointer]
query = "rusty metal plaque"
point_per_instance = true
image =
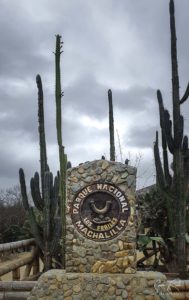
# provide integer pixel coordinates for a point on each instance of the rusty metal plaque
(100, 211)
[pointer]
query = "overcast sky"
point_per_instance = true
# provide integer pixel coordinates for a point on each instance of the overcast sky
(123, 45)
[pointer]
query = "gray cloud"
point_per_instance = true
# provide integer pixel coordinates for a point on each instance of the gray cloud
(124, 46)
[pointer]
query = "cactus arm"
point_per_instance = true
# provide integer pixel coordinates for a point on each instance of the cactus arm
(168, 131)
(181, 131)
(175, 76)
(31, 215)
(158, 164)
(185, 151)
(46, 211)
(111, 126)
(47, 221)
(185, 96)
(41, 128)
(58, 91)
(168, 178)
(36, 198)
(56, 236)
(35, 228)
(23, 189)
(54, 199)
(39, 199)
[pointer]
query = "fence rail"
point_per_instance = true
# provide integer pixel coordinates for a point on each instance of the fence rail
(16, 245)
(12, 290)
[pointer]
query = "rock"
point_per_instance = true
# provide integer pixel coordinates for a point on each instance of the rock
(121, 253)
(99, 287)
(81, 170)
(124, 175)
(96, 266)
(69, 237)
(74, 179)
(115, 269)
(114, 247)
(120, 168)
(151, 283)
(124, 294)
(65, 287)
(68, 293)
(96, 178)
(88, 179)
(75, 187)
(76, 288)
(81, 268)
(94, 294)
(129, 271)
(118, 298)
(128, 246)
(115, 178)
(125, 262)
(120, 285)
(105, 164)
(120, 245)
(72, 276)
(111, 291)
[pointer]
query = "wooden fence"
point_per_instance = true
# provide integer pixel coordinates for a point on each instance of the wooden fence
(29, 259)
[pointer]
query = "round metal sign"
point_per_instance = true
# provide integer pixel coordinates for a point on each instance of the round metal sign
(100, 211)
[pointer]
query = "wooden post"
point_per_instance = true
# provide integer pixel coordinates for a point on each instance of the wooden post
(16, 274)
(36, 267)
(27, 271)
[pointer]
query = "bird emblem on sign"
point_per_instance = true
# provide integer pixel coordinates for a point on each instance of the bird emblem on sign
(101, 212)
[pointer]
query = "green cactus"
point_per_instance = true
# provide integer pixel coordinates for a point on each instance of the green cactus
(174, 188)
(47, 234)
(51, 200)
(62, 155)
(111, 126)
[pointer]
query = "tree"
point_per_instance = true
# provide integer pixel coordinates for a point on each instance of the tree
(12, 214)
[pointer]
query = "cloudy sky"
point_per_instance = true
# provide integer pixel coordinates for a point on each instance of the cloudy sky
(123, 45)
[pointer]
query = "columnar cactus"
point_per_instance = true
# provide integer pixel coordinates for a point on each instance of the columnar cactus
(47, 233)
(51, 200)
(174, 187)
(111, 126)
(62, 155)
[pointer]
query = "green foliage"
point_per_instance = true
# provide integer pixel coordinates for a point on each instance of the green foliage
(144, 240)
(12, 214)
(16, 233)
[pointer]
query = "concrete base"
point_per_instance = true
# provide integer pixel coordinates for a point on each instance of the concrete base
(59, 285)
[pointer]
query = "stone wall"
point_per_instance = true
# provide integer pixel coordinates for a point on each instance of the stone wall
(117, 255)
(58, 285)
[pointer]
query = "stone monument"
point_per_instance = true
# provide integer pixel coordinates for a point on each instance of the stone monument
(100, 239)
(101, 232)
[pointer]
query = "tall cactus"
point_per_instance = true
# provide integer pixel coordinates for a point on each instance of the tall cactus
(62, 155)
(41, 129)
(51, 200)
(174, 187)
(111, 126)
